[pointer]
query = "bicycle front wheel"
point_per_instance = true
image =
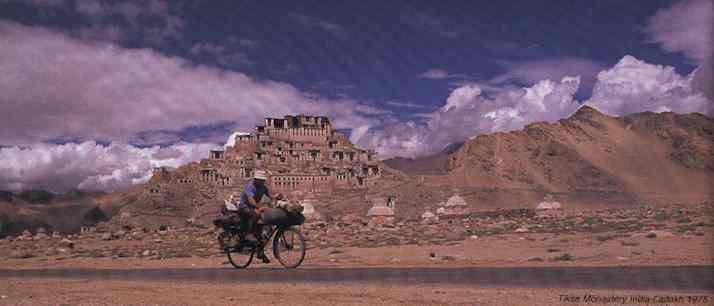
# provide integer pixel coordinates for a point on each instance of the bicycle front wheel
(289, 247)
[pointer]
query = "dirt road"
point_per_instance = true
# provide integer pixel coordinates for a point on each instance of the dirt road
(684, 278)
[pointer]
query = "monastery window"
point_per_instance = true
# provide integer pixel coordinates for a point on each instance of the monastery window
(216, 154)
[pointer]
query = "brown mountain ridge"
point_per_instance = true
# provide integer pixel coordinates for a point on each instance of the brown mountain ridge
(639, 157)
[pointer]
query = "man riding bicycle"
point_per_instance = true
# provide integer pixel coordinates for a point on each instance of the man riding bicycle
(249, 208)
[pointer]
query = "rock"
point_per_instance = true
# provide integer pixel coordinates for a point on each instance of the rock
(473, 237)
(26, 234)
(535, 258)
(545, 205)
(659, 234)
(450, 235)
(146, 253)
(40, 236)
(522, 230)
(67, 243)
(21, 254)
(118, 234)
(428, 216)
(63, 251)
(56, 235)
(106, 236)
(448, 258)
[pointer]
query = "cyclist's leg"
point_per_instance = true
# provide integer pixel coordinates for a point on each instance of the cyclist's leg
(248, 217)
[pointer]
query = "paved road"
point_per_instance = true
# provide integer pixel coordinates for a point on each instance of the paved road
(680, 278)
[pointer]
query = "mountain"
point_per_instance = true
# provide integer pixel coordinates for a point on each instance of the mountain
(589, 159)
(432, 164)
(55, 212)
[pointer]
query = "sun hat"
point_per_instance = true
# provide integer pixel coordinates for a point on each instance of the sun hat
(260, 175)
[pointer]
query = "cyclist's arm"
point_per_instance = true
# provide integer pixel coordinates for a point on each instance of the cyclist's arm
(253, 202)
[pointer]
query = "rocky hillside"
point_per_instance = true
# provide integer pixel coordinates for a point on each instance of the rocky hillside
(646, 154)
(433, 165)
(35, 209)
(584, 160)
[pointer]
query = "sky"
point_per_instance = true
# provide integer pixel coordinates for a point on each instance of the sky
(93, 94)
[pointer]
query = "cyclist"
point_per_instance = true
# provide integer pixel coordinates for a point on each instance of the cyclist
(249, 208)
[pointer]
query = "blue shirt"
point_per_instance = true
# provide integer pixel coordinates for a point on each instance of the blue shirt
(251, 190)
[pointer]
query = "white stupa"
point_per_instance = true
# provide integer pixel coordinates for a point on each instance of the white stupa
(455, 206)
(380, 213)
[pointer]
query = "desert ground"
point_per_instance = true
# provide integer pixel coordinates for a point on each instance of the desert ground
(642, 236)
(83, 292)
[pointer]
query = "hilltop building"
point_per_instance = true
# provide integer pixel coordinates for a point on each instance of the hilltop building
(302, 154)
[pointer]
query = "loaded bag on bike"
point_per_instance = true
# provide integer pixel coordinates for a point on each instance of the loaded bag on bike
(225, 221)
(278, 216)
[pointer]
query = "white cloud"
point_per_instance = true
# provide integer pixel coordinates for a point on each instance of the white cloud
(232, 139)
(461, 96)
(118, 20)
(89, 165)
(440, 74)
(684, 27)
(635, 86)
(434, 74)
(467, 113)
(531, 72)
(407, 104)
(630, 86)
(56, 86)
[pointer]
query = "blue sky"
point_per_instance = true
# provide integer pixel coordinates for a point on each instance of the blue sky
(375, 50)
(404, 77)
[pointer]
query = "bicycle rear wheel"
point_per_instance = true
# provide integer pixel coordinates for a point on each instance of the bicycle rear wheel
(289, 247)
(239, 256)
